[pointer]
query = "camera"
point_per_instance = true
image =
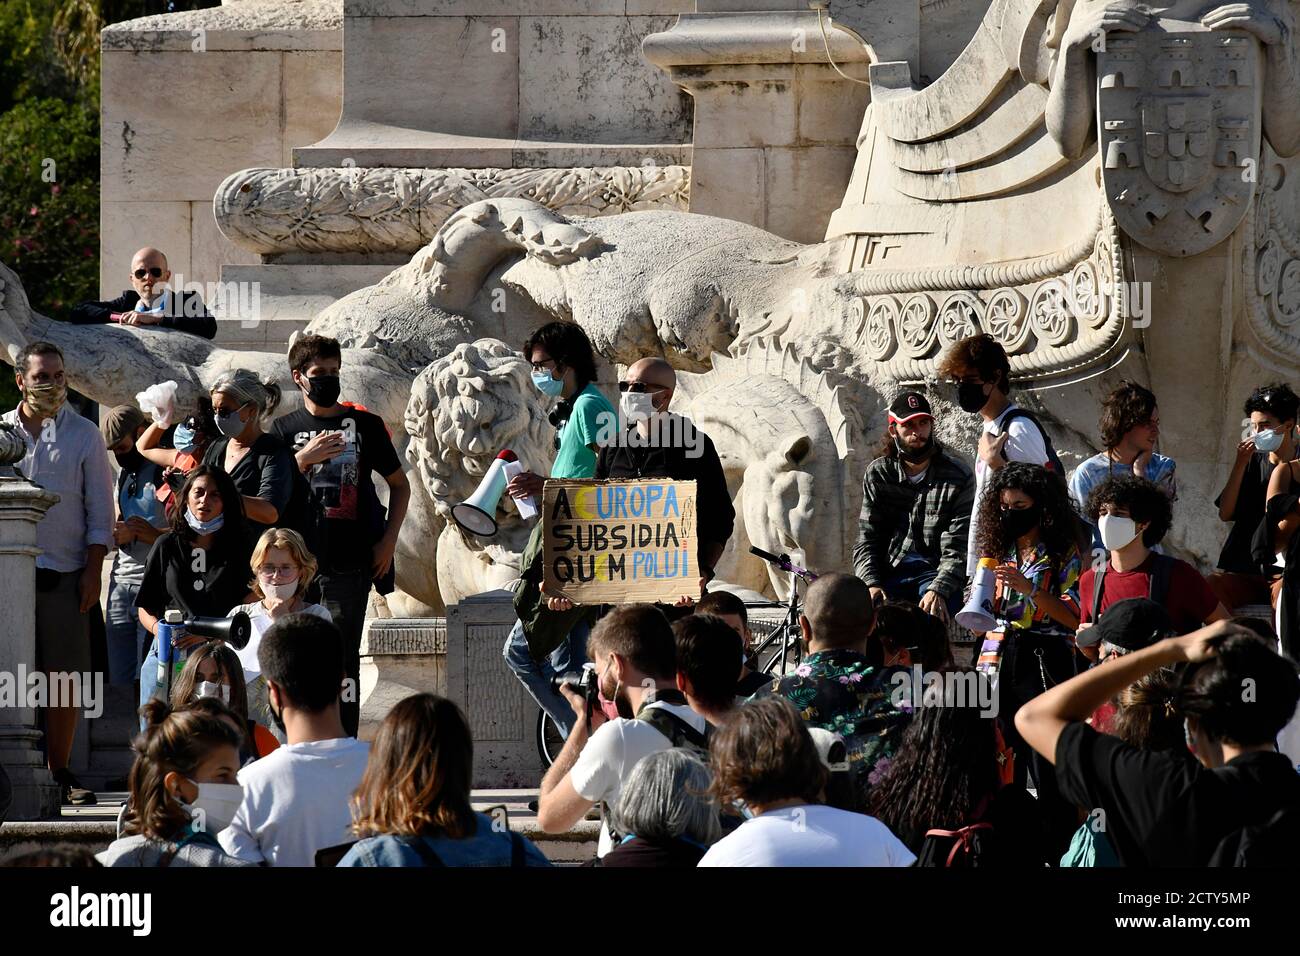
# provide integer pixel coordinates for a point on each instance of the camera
(586, 683)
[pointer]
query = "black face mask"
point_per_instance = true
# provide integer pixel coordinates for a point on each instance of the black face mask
(970, 396)
(131, 461)
(276, 718)
(323, 389)
(913, 455)
(1018, 522)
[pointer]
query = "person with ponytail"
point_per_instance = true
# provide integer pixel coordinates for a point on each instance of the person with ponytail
(183, 789)
(260, 464)
(1234, 695)
(199, 567)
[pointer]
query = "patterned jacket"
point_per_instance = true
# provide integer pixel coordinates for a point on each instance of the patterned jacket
(838, 690)
(931, 518)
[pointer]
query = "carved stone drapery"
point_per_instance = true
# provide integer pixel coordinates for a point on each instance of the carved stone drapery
(382, 210)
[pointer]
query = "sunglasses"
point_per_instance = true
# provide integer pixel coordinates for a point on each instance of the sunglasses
(639, 387)
(141, 273)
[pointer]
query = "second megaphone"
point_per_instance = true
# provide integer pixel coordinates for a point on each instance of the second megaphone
(477, 513)
(977, 615)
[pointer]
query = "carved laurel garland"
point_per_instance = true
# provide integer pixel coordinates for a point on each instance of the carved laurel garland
(1272, 279)
(399, 210)
(1066, 320)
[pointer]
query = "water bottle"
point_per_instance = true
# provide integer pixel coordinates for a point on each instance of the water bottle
(171, 660)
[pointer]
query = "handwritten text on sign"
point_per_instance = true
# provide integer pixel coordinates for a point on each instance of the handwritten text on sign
(614, 542)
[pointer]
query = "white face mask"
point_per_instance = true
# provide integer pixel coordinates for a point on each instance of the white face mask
(280, 592)
(637, 406)
(1116, 531)
(208, 688)
(215, 806)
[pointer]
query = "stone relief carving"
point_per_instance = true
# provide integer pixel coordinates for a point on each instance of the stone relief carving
(975, 203)
(399, 210)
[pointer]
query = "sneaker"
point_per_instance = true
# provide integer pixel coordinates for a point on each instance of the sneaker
(70, 789)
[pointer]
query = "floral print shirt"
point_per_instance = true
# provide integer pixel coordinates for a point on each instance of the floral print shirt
(1014, 608)
(838, 690)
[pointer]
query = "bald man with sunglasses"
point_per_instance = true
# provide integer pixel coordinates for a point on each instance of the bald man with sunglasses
(659, 444)
(149, 302)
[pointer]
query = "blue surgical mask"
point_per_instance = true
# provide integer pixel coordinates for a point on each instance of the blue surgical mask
(204, 527)
(183, 438)
(547, 385)
(1268, 440)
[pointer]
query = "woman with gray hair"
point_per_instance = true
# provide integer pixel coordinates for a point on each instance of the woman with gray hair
(666, 812)
(261, 466)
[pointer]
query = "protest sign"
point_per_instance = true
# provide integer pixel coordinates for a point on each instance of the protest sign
(616, 542)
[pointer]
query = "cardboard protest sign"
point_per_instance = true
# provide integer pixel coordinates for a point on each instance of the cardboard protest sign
(618, 542)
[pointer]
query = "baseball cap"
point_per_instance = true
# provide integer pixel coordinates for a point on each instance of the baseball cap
(1131, 624)
(119, 422)
(909, 405)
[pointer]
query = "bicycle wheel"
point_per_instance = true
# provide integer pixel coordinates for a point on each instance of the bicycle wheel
(549, 739)
(772, 661)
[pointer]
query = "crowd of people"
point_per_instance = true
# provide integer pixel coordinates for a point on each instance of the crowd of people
(1122, 709)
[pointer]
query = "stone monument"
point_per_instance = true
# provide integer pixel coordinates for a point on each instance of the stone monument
(1002, 186)
(34, 795)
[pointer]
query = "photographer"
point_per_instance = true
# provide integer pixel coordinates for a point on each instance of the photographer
(636, 667)
(1162, 809)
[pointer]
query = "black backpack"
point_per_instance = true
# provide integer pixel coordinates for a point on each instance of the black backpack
(1053, 460)
(969, 846)
(1157, 586)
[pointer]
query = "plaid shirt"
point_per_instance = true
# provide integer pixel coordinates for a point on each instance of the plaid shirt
(931, 518)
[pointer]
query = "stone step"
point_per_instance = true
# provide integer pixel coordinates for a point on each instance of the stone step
(95, 826)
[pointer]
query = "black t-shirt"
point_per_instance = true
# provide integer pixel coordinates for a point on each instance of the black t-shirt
(266, 472)
(1162, 808)
(172, 581)
(1246, 517)
(714, 514)
(675, 854)
(343, 487)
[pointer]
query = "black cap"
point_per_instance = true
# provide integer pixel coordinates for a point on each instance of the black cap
(908, 405)
(1131, 624)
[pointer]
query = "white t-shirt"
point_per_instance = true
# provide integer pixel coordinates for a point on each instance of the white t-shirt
(296, 802)
(260, 619)
(810, 835)
(1025, 443)
(613, 751)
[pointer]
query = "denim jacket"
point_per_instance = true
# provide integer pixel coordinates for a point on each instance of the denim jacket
(486, 847)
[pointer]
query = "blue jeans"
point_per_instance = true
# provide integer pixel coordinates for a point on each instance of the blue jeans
(569, 656)
(149, 676)
(124, 633)
(345, 594)
(912, 578)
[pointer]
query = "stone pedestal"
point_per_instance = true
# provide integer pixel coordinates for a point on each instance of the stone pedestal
(399, 657)
(775, 123)
(502, 714)
(22, 505)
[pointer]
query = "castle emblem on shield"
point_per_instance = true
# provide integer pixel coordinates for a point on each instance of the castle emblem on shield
(1179, 115)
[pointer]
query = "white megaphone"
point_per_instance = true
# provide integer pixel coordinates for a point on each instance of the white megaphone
(477, 513)
(977, 615)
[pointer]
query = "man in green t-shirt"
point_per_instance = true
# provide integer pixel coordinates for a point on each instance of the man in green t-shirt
(564, 367)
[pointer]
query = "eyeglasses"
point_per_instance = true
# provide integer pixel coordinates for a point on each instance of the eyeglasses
(640, 387)
(543, 366)
(270, 570)
(141, 273)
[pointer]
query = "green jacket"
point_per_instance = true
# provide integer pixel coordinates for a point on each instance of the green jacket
(544, 629)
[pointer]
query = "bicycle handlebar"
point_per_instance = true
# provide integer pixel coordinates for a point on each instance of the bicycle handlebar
(783, 562)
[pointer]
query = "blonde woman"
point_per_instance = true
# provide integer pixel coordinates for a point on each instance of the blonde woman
(282, 570)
